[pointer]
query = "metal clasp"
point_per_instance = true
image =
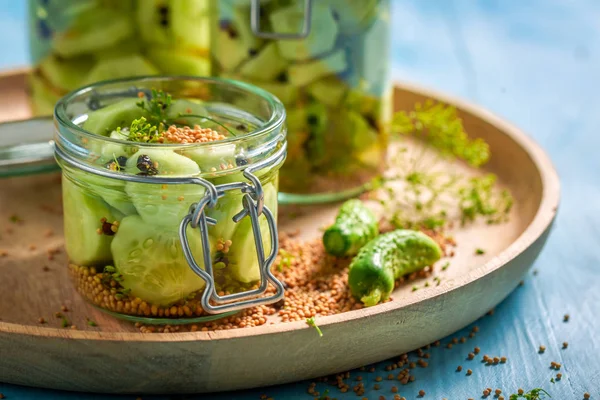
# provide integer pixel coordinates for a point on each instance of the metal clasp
(255, 23)
(252, 207)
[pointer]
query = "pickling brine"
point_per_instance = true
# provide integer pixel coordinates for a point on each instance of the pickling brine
(78, 42)
(332, 75)
(141, 156)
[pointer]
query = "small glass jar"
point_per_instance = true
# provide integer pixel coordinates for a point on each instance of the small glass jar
(328, 62)
(77, 42)
(172, 233)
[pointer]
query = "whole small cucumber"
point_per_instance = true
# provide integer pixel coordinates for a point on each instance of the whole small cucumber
(355, 225)
(386, 258)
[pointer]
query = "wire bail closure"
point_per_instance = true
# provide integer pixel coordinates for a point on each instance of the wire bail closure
(252, 207)
(255, 23)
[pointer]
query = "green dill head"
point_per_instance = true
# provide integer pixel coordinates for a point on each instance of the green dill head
(439, 125)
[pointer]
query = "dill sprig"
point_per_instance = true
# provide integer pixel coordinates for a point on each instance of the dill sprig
(157, 106)
(533, 394)
(311, 322)
(285, 260)
(142, 131)
(441, 127)
(424, 192)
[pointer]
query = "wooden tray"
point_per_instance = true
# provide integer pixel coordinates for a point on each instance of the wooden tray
(116, 358)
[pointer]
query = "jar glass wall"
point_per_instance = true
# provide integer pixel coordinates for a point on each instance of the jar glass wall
(77, 42)
(122, 234)
(334, 83)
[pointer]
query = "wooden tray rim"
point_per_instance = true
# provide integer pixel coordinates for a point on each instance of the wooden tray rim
(544, 217)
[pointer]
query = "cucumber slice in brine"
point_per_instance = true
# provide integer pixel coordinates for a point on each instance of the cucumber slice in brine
(243, 261)
(82, 215)
(123, 67)
(105, 120)
(94, 30)
(158, 204)
(152, 264)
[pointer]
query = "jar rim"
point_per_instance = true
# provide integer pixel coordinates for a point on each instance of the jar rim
(276, 118)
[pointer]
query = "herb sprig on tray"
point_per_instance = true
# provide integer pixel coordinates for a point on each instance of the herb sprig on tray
(422, 191)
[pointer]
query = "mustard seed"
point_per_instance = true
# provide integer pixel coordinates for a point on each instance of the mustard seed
(472, 335)
(502, 360)
(422, 393)
(459, 368)
(476, 350)
(486, 393)
(449, 345)
(566, 318)
(559, 376)
(586, 395)
(565, 345)
(500, 397)
(498, 392)
(520, 392)
(390, 376)
(542, 349)
(454, 341)
(376, 386)
(469, 372)
(394, 389)
(378, 379)
(471, 356)
(41, 320)
(463, 339)
(2, 396)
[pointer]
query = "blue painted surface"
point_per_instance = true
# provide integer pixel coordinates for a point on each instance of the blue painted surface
(536, 64)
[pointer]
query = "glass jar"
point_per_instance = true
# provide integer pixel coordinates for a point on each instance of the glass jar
(77, 42)
(171, 233)
(328, 62)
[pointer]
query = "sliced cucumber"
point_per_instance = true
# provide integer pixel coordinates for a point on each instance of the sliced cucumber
(329, 91)
(355, 16)
(66, 74)
(151, 262)
(107, 119)
(132, 65)
(43, 97)
(305, 73)
(162, 205)
(191, 25)
(266, 65)
(231, 50)
(321, 38)
(124, 48)
(94, 30)
(243, 261)
(183, 106)
(211, 157)
(154, 21)
(172, 62)
(82, 215)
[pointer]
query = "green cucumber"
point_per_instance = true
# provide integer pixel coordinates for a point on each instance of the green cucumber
(355, 225)
(266, 65)
(173, 62)
(82, 218)
(66, 74)
(122, 67)
(107, 119)
(380, 262)
(152, 264)
(162, 205)
(94, 30)
(308, 72)
(243, 262)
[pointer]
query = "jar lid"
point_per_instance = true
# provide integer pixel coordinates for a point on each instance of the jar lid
(27, 147)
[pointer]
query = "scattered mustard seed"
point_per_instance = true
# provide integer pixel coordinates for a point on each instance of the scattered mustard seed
(394, 389)
(559, 376)
(476, 350)
(41, 320)
(566, 318)
(586, 395)
(542, 349)
(459, 368)
(565, 345)
(469, 372)
(498, 392)
(471, 356)
(520, 392)
(422, 393)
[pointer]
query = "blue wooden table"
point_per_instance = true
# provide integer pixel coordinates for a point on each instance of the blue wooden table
(536, 63)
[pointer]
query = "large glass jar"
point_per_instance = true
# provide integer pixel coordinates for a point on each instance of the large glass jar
(153, 230)
(77, 42)
(328, 62)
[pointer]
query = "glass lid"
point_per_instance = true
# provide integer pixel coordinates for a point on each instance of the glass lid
(26, 147)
